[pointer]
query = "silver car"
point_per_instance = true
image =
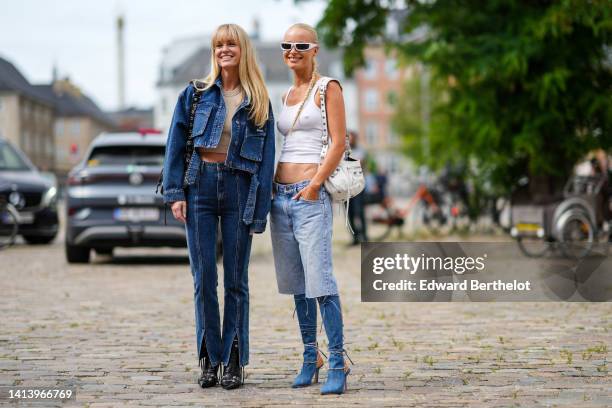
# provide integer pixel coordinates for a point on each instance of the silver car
(111, 200)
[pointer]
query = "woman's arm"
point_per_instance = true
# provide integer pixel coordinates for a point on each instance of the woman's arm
(336, 123)
(174, 166)
(264, 176)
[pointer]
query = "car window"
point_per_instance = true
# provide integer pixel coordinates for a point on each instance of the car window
(126, 155)
(10, 159)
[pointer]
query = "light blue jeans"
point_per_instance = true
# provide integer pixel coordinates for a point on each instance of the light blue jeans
(301, 242)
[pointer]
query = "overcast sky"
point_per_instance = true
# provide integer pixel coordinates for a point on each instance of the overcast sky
(79, 37)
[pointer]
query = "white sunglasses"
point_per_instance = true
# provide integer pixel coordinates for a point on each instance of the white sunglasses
(299, 46)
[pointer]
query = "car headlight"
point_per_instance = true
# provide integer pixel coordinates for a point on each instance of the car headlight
(50, 197)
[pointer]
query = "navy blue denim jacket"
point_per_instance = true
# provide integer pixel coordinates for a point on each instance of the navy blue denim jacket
(251, 150)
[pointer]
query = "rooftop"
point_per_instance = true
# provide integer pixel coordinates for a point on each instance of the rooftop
(12, 80)
(71, 102)
(269, 56)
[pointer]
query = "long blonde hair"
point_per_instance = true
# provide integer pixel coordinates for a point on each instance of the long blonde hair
(251, 78)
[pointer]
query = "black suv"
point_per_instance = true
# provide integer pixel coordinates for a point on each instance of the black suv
(33, 195)
(111, 200)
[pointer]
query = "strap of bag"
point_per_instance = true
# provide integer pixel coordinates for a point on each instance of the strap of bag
(188, 144)
(325, 140)
(194, 104)
(325, 135)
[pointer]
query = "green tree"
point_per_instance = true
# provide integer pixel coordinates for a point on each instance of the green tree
(521, 87)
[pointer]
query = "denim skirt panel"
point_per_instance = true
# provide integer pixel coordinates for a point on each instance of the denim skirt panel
(217, 199)
(301, 242)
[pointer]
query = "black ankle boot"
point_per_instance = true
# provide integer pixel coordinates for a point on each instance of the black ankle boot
(233, 373)
(208, 377)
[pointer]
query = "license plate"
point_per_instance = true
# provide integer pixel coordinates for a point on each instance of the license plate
(135, 214)
(26, 218)
(525, 227)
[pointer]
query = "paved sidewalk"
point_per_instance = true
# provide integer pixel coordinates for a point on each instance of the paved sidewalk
(122, 331)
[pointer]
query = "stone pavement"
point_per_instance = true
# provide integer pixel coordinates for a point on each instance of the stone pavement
(122, 331)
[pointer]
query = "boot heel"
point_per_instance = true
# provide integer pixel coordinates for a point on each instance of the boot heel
(347, 371)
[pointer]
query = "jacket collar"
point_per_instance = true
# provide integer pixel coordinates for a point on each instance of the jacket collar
(218, 82)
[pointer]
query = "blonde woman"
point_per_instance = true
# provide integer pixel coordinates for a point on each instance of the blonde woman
(227, 180)
(301, 214)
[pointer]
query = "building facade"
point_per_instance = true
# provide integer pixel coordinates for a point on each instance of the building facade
(379, 86)
(27, 117)
(78, 120)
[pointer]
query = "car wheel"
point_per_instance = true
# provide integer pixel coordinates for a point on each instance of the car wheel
(104, 251)
(77, 254)
(39, 240)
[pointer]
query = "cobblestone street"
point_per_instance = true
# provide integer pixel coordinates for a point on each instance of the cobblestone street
(121, 330)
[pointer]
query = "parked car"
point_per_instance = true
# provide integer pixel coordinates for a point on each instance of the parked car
(33, 194)
(111, 200)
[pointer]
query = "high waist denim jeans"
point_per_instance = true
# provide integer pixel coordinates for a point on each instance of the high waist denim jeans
(219, 195)
(301, 242)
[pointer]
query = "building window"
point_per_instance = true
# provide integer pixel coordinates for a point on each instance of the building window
(49, 146)
(371, 99)
(369, 70)
(164, 104)
(391, 68)
(75, 127)
(59, 127)
(372, 133)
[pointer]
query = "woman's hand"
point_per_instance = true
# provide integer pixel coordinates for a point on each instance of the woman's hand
(309, 193)
(179, 211)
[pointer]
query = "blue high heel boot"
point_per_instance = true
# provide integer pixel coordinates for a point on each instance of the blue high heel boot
(331, 314)
(306, 309)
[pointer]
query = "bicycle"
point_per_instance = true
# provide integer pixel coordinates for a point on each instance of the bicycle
(434, 208)
(9, 223)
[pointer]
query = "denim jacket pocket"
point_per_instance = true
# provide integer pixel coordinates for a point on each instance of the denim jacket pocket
(200, 119)
(253, 143)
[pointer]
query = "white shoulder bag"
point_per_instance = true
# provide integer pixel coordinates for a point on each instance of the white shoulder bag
(347, 179)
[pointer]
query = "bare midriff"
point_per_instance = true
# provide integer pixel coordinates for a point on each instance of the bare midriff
(289, 173)
(212, 157)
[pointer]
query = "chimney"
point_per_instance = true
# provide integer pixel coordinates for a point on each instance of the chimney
(54, 74)
(120, 62)
(256, 35)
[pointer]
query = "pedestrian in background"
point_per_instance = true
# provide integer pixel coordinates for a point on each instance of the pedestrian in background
(228, 180)
(356, 208)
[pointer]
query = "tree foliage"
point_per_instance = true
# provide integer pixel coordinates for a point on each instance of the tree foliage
(520, 87)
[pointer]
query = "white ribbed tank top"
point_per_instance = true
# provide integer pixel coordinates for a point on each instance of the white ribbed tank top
(304, 144)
